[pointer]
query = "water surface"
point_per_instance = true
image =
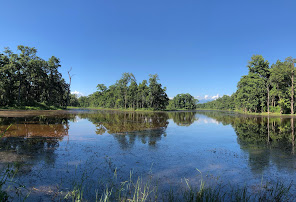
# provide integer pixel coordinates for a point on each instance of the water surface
(54, 149)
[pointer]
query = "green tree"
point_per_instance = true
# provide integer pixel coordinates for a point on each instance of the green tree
(249, 93)
(259, 66)
(280, 82)
(290, 63)
(132, 94)
(27, 79)
(158, 99)
(143, 92)
(184, 101)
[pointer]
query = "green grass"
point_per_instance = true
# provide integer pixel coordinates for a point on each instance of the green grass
(138, 190)
(36, 106)
(249, 113)
(119, 109)
(131, 109)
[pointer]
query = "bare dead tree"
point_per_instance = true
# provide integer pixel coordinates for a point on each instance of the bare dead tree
(70, 80)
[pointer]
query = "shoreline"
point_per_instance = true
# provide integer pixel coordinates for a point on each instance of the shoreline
(251, 114)
(51, 108)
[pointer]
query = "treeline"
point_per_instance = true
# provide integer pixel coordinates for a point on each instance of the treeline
(265, 89)
(127, 93)
(26, 79)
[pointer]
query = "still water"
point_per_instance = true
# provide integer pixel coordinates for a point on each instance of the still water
(53, 150)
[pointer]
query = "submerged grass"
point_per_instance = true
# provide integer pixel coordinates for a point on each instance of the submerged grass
(1, 134)
(8, 182)
(140, 190)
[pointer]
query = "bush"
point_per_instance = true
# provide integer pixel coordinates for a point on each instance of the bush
(276, 109)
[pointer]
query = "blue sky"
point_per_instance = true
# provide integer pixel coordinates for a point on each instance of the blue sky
(196, 47)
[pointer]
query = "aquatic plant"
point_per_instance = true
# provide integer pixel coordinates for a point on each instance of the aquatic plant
(136, 189)
(4, 176)
(1, 134)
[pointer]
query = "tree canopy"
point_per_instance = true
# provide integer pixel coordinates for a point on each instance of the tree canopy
(265, 88)
(127, 93)
(183, 101)
(26, 79)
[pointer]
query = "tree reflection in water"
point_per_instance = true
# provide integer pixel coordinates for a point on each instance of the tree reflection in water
(263, 138)
(32, 139)
(183, 118)
(126, 127)
(38, 136)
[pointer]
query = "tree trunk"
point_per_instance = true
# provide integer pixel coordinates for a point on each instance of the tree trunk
(19, 90)
(268, 99)
(293, 138)
(68, 93)
(292, 90)
(272, 102)
(268, 135)
(125, 101)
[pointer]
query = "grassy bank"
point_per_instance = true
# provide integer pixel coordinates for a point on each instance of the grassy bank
(37, 106)
(126, 110)
(249, 113)
(132, 110)
(184, 110)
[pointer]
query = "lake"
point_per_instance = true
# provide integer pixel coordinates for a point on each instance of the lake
(57, 151)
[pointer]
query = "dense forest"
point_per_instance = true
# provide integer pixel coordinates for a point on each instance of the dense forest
(28, 80)
(127, 93)
(265, 89)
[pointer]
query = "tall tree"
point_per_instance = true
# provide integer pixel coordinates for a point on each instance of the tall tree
(158, 99)
(259, 66)
(290, 62)
(143, 92)
(123, 86)
(280, 81)
(249, 91)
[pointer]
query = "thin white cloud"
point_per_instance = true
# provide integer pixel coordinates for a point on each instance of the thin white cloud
(77, 93)
(205, 97)
(206, 120)
(216, 97)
